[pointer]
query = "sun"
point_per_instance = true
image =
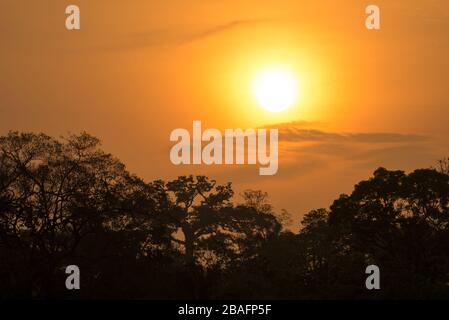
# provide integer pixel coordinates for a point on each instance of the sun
(276, 89)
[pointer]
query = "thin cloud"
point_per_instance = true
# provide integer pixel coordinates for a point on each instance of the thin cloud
(219, 29)
(171, 37)
(300, 143)
(297, 132)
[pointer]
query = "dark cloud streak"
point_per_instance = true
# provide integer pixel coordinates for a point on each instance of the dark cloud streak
(296, 132)
(168, 37)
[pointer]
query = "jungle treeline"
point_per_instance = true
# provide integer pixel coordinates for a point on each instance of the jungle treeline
(67, 202)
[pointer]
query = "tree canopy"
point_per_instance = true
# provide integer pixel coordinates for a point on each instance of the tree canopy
(66, 201)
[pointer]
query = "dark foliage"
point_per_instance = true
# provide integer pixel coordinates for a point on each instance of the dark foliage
(66, 202)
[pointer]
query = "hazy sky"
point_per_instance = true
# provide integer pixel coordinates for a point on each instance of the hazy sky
(139, 69)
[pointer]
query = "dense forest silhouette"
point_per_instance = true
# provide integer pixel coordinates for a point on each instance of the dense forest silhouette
(66, 202)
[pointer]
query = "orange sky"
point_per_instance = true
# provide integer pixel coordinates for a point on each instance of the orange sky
(137, 70)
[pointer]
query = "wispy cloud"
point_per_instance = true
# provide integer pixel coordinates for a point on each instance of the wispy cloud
(300, 131)
(301, 143)
(219, 29)
(305, 150)
(176, 37)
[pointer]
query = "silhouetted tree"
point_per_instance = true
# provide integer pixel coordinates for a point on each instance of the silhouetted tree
(443, 166)
(53, 194)
(65, 201)
(399, 222)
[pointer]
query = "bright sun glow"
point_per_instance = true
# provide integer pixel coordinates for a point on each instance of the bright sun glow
(276, 89)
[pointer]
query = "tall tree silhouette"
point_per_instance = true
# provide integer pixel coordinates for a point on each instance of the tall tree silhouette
(195, 208)
(52, 195)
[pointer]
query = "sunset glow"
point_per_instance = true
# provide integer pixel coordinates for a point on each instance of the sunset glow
(193, 152)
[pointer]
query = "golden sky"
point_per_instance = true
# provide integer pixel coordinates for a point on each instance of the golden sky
(139, 69)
